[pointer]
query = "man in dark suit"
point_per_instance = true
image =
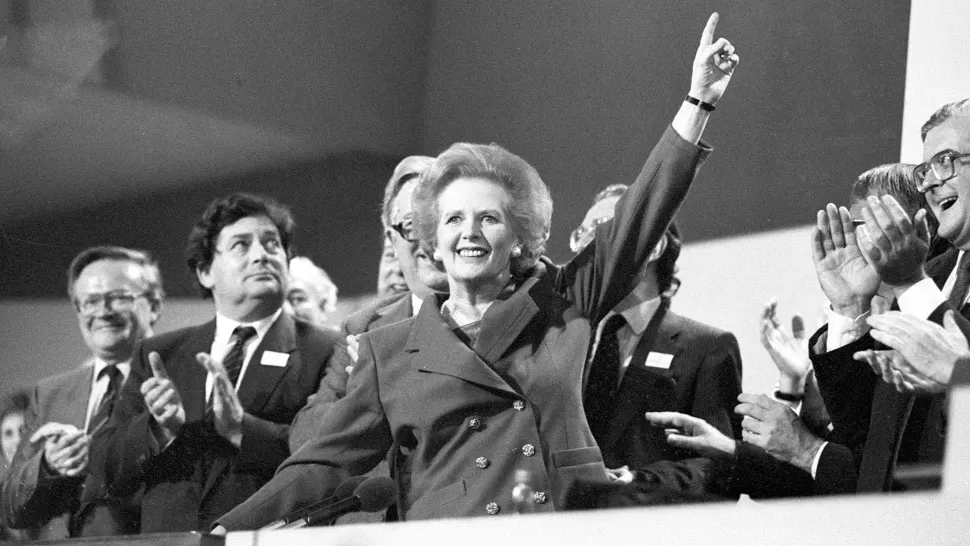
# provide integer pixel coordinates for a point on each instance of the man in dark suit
(786, 452)
(203, 421)
(646, 358)
(52, 490)
(881, 425)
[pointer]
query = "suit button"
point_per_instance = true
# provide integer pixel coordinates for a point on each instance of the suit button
(492, 508)
(475, 423)
(482, 462)
(528, 450)
(518, 405)
(539, 497)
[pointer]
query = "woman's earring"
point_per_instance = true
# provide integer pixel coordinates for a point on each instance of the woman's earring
(516, 251)
(436, 256)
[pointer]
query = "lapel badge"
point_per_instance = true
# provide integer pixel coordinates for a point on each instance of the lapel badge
(272, 358)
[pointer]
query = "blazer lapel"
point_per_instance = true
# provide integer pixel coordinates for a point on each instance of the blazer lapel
(436, 349)
(261, 379)
(192, 388)
(504, 321)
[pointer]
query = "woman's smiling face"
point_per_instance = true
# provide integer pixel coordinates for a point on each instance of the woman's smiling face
(475, 236)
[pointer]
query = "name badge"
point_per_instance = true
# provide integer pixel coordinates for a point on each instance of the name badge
(659, 360)
(272, 358)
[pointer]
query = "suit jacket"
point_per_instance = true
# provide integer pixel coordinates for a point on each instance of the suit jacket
(333, 387)
(471, 415)
(307, 423)
(703, 380)
(55, 507)
(870, 418)
(200, 475)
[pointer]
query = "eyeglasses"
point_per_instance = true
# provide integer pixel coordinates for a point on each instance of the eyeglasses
(406, 230)
(583, 235)
(114, 301)
(942, 165)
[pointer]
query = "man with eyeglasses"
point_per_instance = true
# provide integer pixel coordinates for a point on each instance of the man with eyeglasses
(907, 425)
(203, 420)
(53, 488)
(644, 357)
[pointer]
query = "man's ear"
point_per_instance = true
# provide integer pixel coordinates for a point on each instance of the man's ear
(156, 308)
(658, 250)
(205, 277)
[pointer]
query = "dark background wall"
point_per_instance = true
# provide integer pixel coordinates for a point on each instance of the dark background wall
(580, 89)
(314, 101)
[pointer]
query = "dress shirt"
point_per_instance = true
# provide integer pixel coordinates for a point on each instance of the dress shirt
(638, 317)
(415, 304)
(99, 385)
(221, 345)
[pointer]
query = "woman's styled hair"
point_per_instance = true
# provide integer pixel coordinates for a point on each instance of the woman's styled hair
(529, 204)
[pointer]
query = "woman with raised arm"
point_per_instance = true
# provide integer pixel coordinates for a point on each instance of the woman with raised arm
(488, 379)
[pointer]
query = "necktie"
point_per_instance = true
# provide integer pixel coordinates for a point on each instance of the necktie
(107, 404)
(233, 361)
(959, 293)
(603, 377)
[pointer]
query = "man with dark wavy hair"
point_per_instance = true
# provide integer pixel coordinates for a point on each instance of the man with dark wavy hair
(203, 420)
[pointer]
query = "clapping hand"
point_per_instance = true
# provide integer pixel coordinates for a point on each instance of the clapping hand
(924, 352)
(65, 448)
(162, 398)
(227, 410)
(846, 278)
(787, 348)
(895, 245)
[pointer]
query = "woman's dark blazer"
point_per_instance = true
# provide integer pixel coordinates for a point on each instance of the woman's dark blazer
(469, 417)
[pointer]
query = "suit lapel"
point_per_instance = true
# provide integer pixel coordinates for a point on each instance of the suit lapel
(261, 379)
(72, 404)
(645, 388)
(436, 349)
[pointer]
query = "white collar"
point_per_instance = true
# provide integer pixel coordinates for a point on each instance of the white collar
(225, 325)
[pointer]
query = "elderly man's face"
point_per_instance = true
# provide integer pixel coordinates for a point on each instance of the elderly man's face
(113, 309)
(390, 278)
(306, 302)
(949, 200)
(420, 273)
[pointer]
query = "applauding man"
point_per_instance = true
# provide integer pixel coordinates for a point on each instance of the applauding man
(203, 421)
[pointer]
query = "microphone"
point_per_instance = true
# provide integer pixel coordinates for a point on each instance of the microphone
(343, 491)
(373, 495)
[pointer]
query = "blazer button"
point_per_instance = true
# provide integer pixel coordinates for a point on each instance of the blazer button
(492, 508)
(539, 497)
(518, 405)
(528, 450)
(475, 423)
(482, 462)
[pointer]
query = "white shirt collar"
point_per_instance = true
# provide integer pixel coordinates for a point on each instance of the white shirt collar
(98, 365)
(415, 304)
(225, 326)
